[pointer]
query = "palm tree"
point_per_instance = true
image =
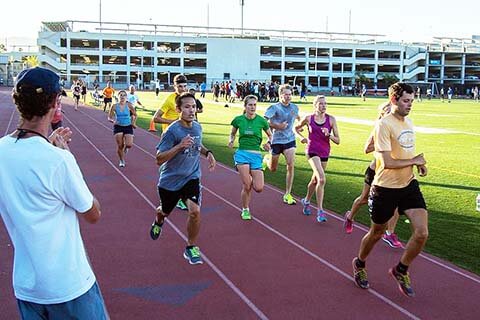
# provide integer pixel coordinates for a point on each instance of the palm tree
(31, 61)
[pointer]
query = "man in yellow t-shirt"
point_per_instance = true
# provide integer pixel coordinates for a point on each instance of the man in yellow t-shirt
(395, 186)
(168, 112)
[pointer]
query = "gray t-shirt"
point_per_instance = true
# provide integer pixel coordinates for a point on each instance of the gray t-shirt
(185, 165)
(279, 113)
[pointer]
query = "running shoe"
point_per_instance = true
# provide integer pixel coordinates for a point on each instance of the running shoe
(192, 254)
(359, 275)
(347, 223)
(392, 240)
(181, 205)
(121, 164)
(246, 214)
(321, 216)
(156, 230)
(288, 199)
(265, 160)
(403, 282)
(306, 207)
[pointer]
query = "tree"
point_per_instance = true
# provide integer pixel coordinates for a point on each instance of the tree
(3, 48)
(360, 78)
(387, 79)
(31, 61)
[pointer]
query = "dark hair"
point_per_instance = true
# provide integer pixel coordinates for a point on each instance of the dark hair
(30, 103)
(179, 98)
(397, 89)
(179, 78)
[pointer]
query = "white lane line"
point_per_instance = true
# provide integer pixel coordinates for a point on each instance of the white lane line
(333, 215)
(222, 276)
(284, 237)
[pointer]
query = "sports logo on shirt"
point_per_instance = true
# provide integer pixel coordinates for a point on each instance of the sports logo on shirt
(406, 139)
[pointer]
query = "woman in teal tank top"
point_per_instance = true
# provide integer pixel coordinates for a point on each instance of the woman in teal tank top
(121, 115)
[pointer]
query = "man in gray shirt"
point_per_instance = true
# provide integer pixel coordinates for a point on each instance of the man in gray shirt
(281, 117)
(178, 155)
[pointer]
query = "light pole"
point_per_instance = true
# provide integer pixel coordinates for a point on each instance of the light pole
(141, 64)
(242, 3)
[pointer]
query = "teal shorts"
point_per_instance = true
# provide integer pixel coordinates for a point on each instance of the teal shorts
(252, 158)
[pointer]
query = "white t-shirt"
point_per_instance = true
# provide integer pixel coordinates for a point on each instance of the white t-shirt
(132, 98)
(41, 190)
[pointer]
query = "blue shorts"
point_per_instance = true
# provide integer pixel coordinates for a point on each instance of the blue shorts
(89, 305)
(252, 158)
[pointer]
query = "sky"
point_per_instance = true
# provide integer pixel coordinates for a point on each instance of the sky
(407, 20)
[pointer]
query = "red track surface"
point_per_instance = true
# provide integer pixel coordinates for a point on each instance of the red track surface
(281, 265)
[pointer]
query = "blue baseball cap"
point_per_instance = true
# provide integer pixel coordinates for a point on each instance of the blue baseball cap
(39, 80)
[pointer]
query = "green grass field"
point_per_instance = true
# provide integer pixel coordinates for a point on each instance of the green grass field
(450, 188)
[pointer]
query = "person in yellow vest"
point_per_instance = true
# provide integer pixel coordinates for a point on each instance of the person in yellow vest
(168, 112)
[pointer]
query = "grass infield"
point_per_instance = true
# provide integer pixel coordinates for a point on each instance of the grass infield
(448, 134)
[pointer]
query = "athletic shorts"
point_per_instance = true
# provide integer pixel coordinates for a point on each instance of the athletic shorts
(382, 202)
(122, 129)
(278, 148)
(311, 155)
(76, 97)
(190, 191)
(369, 175)
(107, 100)
(89, 305)
(56, 125)
(253, 159)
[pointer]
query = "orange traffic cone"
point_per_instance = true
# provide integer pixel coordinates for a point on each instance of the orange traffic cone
(152, 126)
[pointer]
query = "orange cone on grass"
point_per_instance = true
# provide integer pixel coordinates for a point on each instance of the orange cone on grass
(152, 126)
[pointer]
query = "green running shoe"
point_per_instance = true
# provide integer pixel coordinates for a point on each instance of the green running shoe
(181, 205)
(246, 214)
(192, 254)
(288, 199)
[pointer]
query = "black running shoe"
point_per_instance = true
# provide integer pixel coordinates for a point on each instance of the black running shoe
(359, 275)
(403, 282)
(155, 230)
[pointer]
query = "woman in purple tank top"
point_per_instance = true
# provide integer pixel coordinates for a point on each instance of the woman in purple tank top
(322, 128)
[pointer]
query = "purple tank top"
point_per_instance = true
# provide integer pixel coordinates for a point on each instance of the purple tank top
(318, 142)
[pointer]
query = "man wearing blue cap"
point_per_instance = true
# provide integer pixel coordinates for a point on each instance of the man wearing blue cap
(43, 193)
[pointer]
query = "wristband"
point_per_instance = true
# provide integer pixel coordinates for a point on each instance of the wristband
(268, 142)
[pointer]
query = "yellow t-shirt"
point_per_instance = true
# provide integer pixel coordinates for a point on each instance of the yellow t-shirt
(169, 110)
(398, 137)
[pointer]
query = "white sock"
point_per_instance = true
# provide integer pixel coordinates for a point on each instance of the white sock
(388, 233)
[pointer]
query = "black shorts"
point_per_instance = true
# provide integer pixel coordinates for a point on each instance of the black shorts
(382, 202)
(191, 191)
(311, 155)
(107, 100)
(56, 125)
(76, 97)
(369, 175)
(278, 148)
(122, 129)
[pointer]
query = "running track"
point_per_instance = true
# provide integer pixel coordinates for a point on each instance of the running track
(280, 265)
